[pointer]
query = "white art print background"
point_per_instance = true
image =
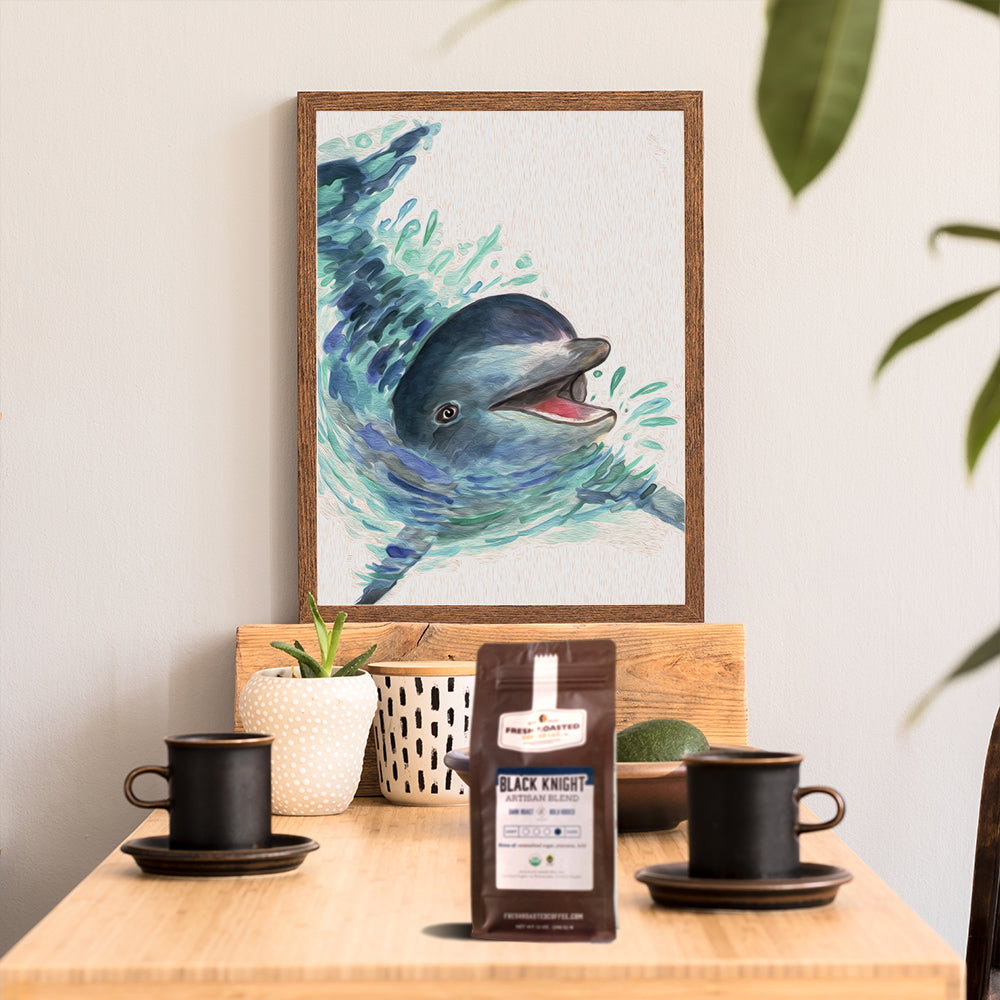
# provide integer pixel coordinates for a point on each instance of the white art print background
(596, 200)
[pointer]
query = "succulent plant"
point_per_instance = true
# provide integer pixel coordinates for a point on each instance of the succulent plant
(329, 639)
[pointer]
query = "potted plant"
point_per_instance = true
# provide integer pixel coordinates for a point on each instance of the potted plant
(320, 728)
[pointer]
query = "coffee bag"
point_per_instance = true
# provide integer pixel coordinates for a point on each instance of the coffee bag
(542, 782)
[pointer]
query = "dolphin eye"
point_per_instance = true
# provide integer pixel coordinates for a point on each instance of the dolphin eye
(446, 413)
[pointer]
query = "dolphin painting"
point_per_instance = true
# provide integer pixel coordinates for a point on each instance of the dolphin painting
(451, 420)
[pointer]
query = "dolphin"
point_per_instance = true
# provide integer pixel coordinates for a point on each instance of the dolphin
(501, 381)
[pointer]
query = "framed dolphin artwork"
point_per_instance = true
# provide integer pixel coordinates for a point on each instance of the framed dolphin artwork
(500, 356)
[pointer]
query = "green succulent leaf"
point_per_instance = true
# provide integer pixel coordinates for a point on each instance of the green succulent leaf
(308, 662)
(338, 627)
(932, 322)
(965, 229)
(320, 626)
(310, 668)
(355, 665)
(984, 419)
(987, 650)
(812, 76)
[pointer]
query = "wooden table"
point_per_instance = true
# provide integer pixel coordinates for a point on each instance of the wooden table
(382, 910)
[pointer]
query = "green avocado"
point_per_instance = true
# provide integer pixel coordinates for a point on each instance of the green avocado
(660, 739)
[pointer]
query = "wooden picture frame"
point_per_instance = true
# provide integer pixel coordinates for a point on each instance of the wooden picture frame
(596, 165)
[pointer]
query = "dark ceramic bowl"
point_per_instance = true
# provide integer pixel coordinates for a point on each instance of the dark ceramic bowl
(651, 796)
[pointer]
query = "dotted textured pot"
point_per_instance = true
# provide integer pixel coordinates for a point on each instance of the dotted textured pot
(320, 727)
(424, 711)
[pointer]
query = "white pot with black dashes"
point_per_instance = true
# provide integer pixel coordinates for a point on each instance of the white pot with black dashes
(424, 710)
(320, 727)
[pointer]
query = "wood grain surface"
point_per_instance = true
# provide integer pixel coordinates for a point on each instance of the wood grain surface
(692, 672)
(382, 909)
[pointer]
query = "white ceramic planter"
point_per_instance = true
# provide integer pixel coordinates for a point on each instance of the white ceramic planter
(320, 727)
(424, 710)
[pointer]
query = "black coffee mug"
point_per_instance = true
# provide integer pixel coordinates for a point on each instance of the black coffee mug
(219, 791)
(743, 813)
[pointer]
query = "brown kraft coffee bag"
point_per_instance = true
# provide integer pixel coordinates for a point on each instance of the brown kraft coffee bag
(542, 783)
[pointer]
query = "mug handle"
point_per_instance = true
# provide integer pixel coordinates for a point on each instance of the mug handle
(801, 793)
(142, 803)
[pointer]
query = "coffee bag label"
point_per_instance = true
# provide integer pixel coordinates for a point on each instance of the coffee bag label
(542, 731)
(545, 828)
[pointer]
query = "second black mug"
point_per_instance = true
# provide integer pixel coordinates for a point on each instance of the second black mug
(743, 808)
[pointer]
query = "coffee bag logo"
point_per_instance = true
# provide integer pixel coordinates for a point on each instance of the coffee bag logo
(540, 732)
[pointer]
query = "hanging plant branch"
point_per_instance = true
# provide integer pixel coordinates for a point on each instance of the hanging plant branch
(983, 422)
(812, 77)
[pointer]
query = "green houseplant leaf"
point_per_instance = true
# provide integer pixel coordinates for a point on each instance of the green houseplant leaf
(993, 6)
(813, 74)
(965, 229)
(984, 419)
(933, 322)
(987, 650)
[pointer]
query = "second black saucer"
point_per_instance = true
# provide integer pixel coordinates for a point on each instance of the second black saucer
(814, 885)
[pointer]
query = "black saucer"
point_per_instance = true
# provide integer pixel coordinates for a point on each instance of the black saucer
(815, 885)
(155, 857)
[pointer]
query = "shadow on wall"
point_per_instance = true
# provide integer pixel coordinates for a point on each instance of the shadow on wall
(202, 691)
(73, 776)
(260, 287)
(282, 246)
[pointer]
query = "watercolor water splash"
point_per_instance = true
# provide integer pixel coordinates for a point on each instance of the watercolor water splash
(385, 283)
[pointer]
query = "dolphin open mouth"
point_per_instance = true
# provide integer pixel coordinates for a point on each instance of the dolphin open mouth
(562, 400)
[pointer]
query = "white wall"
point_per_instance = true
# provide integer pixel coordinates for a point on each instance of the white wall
(148, 369)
